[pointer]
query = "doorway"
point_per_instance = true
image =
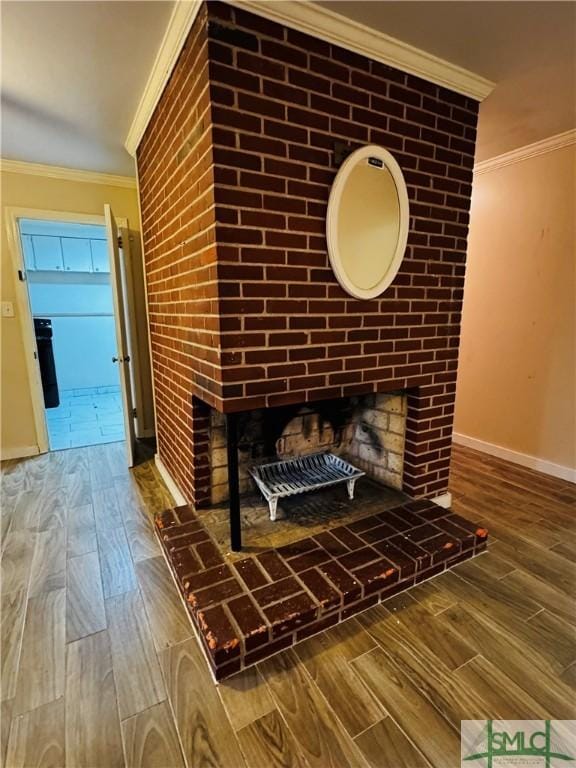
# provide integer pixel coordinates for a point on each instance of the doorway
(70, 295)
(76, 300)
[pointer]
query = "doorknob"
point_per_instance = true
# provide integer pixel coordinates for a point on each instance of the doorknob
(121, 359)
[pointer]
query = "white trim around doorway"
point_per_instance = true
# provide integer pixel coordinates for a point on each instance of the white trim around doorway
(13, 214)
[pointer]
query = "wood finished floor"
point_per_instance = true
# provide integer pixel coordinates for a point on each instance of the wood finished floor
(100, 668)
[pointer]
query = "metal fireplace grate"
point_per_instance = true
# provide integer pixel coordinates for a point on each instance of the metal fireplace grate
(303, 474)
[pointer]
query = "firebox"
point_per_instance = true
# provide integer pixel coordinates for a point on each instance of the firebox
(368, 430)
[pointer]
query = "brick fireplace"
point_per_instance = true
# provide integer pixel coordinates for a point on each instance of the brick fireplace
(235, 169)
(258, 353)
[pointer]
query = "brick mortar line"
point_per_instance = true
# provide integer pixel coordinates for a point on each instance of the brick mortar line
(194, 74)
(151, 205)
(270, 193)
(329, 56)
(311, 163)
(293, 214)
(385, 128)
(150, 198)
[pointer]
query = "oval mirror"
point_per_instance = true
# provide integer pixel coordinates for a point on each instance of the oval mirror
(367, 222)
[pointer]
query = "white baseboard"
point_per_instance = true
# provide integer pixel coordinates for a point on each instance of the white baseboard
(20, 452)
(523, 459)
(445, 500)
(177, 495)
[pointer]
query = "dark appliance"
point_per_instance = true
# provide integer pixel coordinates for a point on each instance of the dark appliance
(43, 329)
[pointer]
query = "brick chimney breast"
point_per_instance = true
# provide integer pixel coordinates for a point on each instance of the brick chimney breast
(235, 169)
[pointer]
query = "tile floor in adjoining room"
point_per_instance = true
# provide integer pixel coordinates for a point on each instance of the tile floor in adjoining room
(86, 417)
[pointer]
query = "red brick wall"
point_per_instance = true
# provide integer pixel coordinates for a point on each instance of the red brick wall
(280, 99)
(176, 180)
(288, 332)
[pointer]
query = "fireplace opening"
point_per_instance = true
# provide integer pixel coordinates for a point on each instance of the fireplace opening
(368, 431)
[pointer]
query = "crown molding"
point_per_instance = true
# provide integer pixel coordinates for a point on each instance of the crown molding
(179, 24)
(66, 174)
(306, 16)
(315, 20)
(550, 144)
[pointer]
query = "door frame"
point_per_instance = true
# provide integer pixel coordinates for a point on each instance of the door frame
(13, 214)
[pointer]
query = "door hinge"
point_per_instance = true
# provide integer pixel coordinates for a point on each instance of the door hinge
(119, 241)
(133, 413)
(21, 275)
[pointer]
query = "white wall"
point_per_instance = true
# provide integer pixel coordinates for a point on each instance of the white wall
(83, 351)
(516, 378)
(83, 344)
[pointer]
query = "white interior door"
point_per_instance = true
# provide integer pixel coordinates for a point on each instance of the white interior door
(122, 357)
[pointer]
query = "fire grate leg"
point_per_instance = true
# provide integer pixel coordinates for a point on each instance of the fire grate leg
(273, 506)
(233, 482)
(350, 485)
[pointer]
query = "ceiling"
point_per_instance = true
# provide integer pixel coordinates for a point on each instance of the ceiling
(72, 76)
(73, 72)
(527, 48)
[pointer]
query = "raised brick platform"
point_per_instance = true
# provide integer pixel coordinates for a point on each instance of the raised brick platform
(252, 608)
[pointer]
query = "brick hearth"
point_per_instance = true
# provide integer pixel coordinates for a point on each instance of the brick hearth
(259, 605)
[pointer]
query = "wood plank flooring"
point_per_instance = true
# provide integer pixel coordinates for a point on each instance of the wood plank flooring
(101, 669)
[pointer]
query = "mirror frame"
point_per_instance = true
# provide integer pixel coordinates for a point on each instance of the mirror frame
(356, 157)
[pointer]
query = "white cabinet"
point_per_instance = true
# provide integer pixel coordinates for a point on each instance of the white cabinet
(52, 253)
(28, 251)
(77, 254)
(47, 252)
(100, 259)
